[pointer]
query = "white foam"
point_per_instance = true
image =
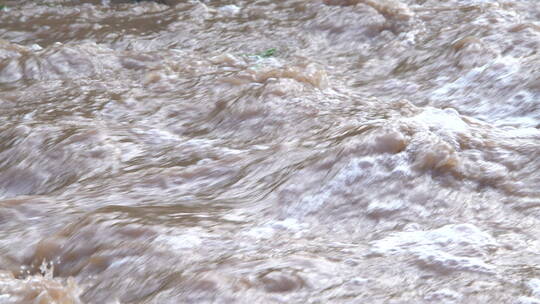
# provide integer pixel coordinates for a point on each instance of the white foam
(443, 120)
(229, 10)
(37, 289)
(264, 232)
(457, 247)
(527, 300)
(290, 225)
(378, 208)
(353, 171)
(179, 242)
(443, 296)
(534, 286)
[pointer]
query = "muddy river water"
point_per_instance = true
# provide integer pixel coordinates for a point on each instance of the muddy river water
(324, 151)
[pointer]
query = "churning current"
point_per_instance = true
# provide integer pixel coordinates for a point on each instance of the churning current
(323, 151)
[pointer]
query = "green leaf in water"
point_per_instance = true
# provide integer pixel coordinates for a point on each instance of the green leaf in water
(267, 53)
(2, 7)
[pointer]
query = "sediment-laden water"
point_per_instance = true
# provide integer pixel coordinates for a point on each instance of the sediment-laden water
(336, 151)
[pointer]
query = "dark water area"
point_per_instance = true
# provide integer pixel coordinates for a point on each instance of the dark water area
(336, 151)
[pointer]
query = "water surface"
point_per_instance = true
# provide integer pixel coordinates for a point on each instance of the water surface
(336, 151)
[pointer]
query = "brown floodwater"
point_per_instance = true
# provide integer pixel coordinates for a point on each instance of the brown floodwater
(336, 151)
